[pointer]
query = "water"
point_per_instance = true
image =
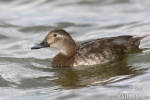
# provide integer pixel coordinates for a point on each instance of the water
(27, 74)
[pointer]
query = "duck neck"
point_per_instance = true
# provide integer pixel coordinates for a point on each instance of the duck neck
(69, 51)
(66, 56)
(69, 48)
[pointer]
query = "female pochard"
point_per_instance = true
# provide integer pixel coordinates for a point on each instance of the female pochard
(93, 52)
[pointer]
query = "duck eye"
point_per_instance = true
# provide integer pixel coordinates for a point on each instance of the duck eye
(54, 35)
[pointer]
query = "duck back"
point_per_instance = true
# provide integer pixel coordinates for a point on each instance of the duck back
(103, 50)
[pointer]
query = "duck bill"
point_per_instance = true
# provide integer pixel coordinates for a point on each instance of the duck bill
(43, 44)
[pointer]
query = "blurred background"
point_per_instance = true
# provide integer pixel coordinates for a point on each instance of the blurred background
(27, 74)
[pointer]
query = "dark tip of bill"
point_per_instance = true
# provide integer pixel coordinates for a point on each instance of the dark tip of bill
(35, 48)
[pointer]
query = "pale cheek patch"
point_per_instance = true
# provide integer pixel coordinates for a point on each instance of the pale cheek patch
(54, 45)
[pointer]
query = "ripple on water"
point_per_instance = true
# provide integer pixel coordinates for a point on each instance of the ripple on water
(28, 74)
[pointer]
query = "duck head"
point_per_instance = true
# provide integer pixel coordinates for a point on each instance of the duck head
(60, 40)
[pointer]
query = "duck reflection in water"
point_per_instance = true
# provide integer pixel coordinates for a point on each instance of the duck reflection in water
(96, 75)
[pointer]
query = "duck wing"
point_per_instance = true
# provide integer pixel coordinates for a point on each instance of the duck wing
(105, 49)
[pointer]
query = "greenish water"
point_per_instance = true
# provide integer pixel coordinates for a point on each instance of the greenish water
(27, 74)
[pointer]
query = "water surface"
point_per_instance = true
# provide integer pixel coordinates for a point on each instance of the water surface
(28, 75)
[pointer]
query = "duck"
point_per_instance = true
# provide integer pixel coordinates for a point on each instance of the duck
(94, 52)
